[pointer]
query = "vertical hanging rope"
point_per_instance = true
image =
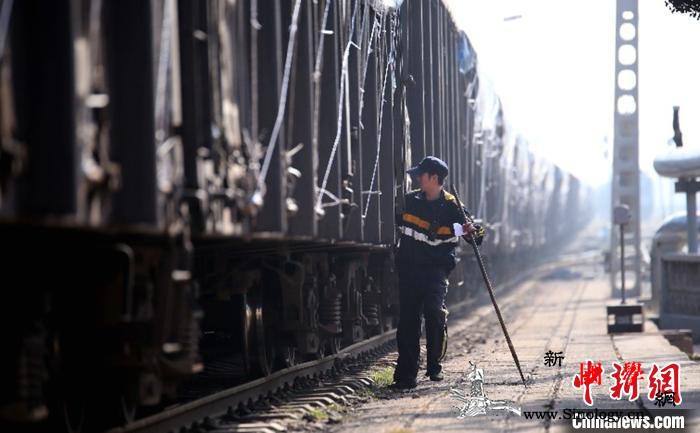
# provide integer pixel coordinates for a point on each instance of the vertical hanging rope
(317, 76)
(255, 145)
(370, 191)
(339, 123)
(282, 106)
(162, 74)
(389, 65)
(365, 66)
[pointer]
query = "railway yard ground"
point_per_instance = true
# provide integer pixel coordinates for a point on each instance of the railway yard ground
(556, 316)
(561, 309)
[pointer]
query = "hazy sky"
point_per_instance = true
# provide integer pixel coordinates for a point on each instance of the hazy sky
(554, 70)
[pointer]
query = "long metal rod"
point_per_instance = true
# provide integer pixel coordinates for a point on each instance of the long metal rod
(490, 288)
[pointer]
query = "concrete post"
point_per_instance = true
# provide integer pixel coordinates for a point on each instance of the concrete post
(692, 221)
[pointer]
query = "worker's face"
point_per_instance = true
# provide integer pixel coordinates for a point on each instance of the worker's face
(428, 182)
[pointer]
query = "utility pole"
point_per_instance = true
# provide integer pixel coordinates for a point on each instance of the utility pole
(625, 179)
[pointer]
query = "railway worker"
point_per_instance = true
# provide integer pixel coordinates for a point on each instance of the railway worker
(430, 227)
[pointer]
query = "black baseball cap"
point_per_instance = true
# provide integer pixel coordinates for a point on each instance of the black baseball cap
(430, 165)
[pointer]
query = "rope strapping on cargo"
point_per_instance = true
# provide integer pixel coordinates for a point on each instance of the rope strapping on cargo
(390, 63)
(316, 78)
(282, 106)
(364, 68)
(162, 74)
(341, 99)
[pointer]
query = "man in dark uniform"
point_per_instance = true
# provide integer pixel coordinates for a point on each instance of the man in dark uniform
(430, 227)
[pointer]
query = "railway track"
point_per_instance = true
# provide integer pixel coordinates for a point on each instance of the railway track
(263, 405)
(239, 401)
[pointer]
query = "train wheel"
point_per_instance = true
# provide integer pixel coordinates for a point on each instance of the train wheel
(263, 350)
(329, 346)
(128, 409)
(74, 416)
(100, 413)
(335, 343)
(247, 323)
(289, 355)
(321, 352)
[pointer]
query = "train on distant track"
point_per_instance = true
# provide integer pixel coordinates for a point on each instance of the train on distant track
(180, 178)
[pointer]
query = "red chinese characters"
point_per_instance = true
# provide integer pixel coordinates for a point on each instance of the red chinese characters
(665, 381)
(589, 374)
(627, 378)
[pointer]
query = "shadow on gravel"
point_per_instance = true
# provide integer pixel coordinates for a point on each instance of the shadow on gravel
(424, 388)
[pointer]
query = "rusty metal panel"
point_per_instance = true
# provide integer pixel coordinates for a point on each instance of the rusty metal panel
(331, 58)
(303, 219)
(415, 89)
(369, 128)
(131, 108)
(391, 127)
(352, 138)
(272, 44)
(681, 285)
(45, 113)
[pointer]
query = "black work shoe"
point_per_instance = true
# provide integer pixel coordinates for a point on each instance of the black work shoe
(437, 377)
(401, 385)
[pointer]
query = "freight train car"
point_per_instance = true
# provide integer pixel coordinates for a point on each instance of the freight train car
(187, 179)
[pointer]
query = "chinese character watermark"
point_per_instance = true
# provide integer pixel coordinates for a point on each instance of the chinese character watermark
(664, 398)
(475, 401)
(665, 380)
(551, 358)
(589, 374)
(663, 383)
(627, 379)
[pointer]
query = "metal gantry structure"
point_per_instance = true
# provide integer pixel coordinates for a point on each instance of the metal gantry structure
(625, 179)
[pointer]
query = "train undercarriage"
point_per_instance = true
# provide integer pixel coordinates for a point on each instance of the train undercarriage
(108, 323)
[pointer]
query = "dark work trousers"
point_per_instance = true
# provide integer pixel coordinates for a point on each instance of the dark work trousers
(421, 289)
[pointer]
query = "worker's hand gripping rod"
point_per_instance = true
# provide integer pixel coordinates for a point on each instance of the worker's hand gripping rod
(488, 286)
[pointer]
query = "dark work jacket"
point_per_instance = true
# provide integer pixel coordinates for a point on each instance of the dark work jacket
(427, 232)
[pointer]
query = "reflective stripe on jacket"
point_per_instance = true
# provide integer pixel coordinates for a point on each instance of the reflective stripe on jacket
(427, 232)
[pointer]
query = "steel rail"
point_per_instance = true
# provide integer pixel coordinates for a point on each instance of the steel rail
(218, 404)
